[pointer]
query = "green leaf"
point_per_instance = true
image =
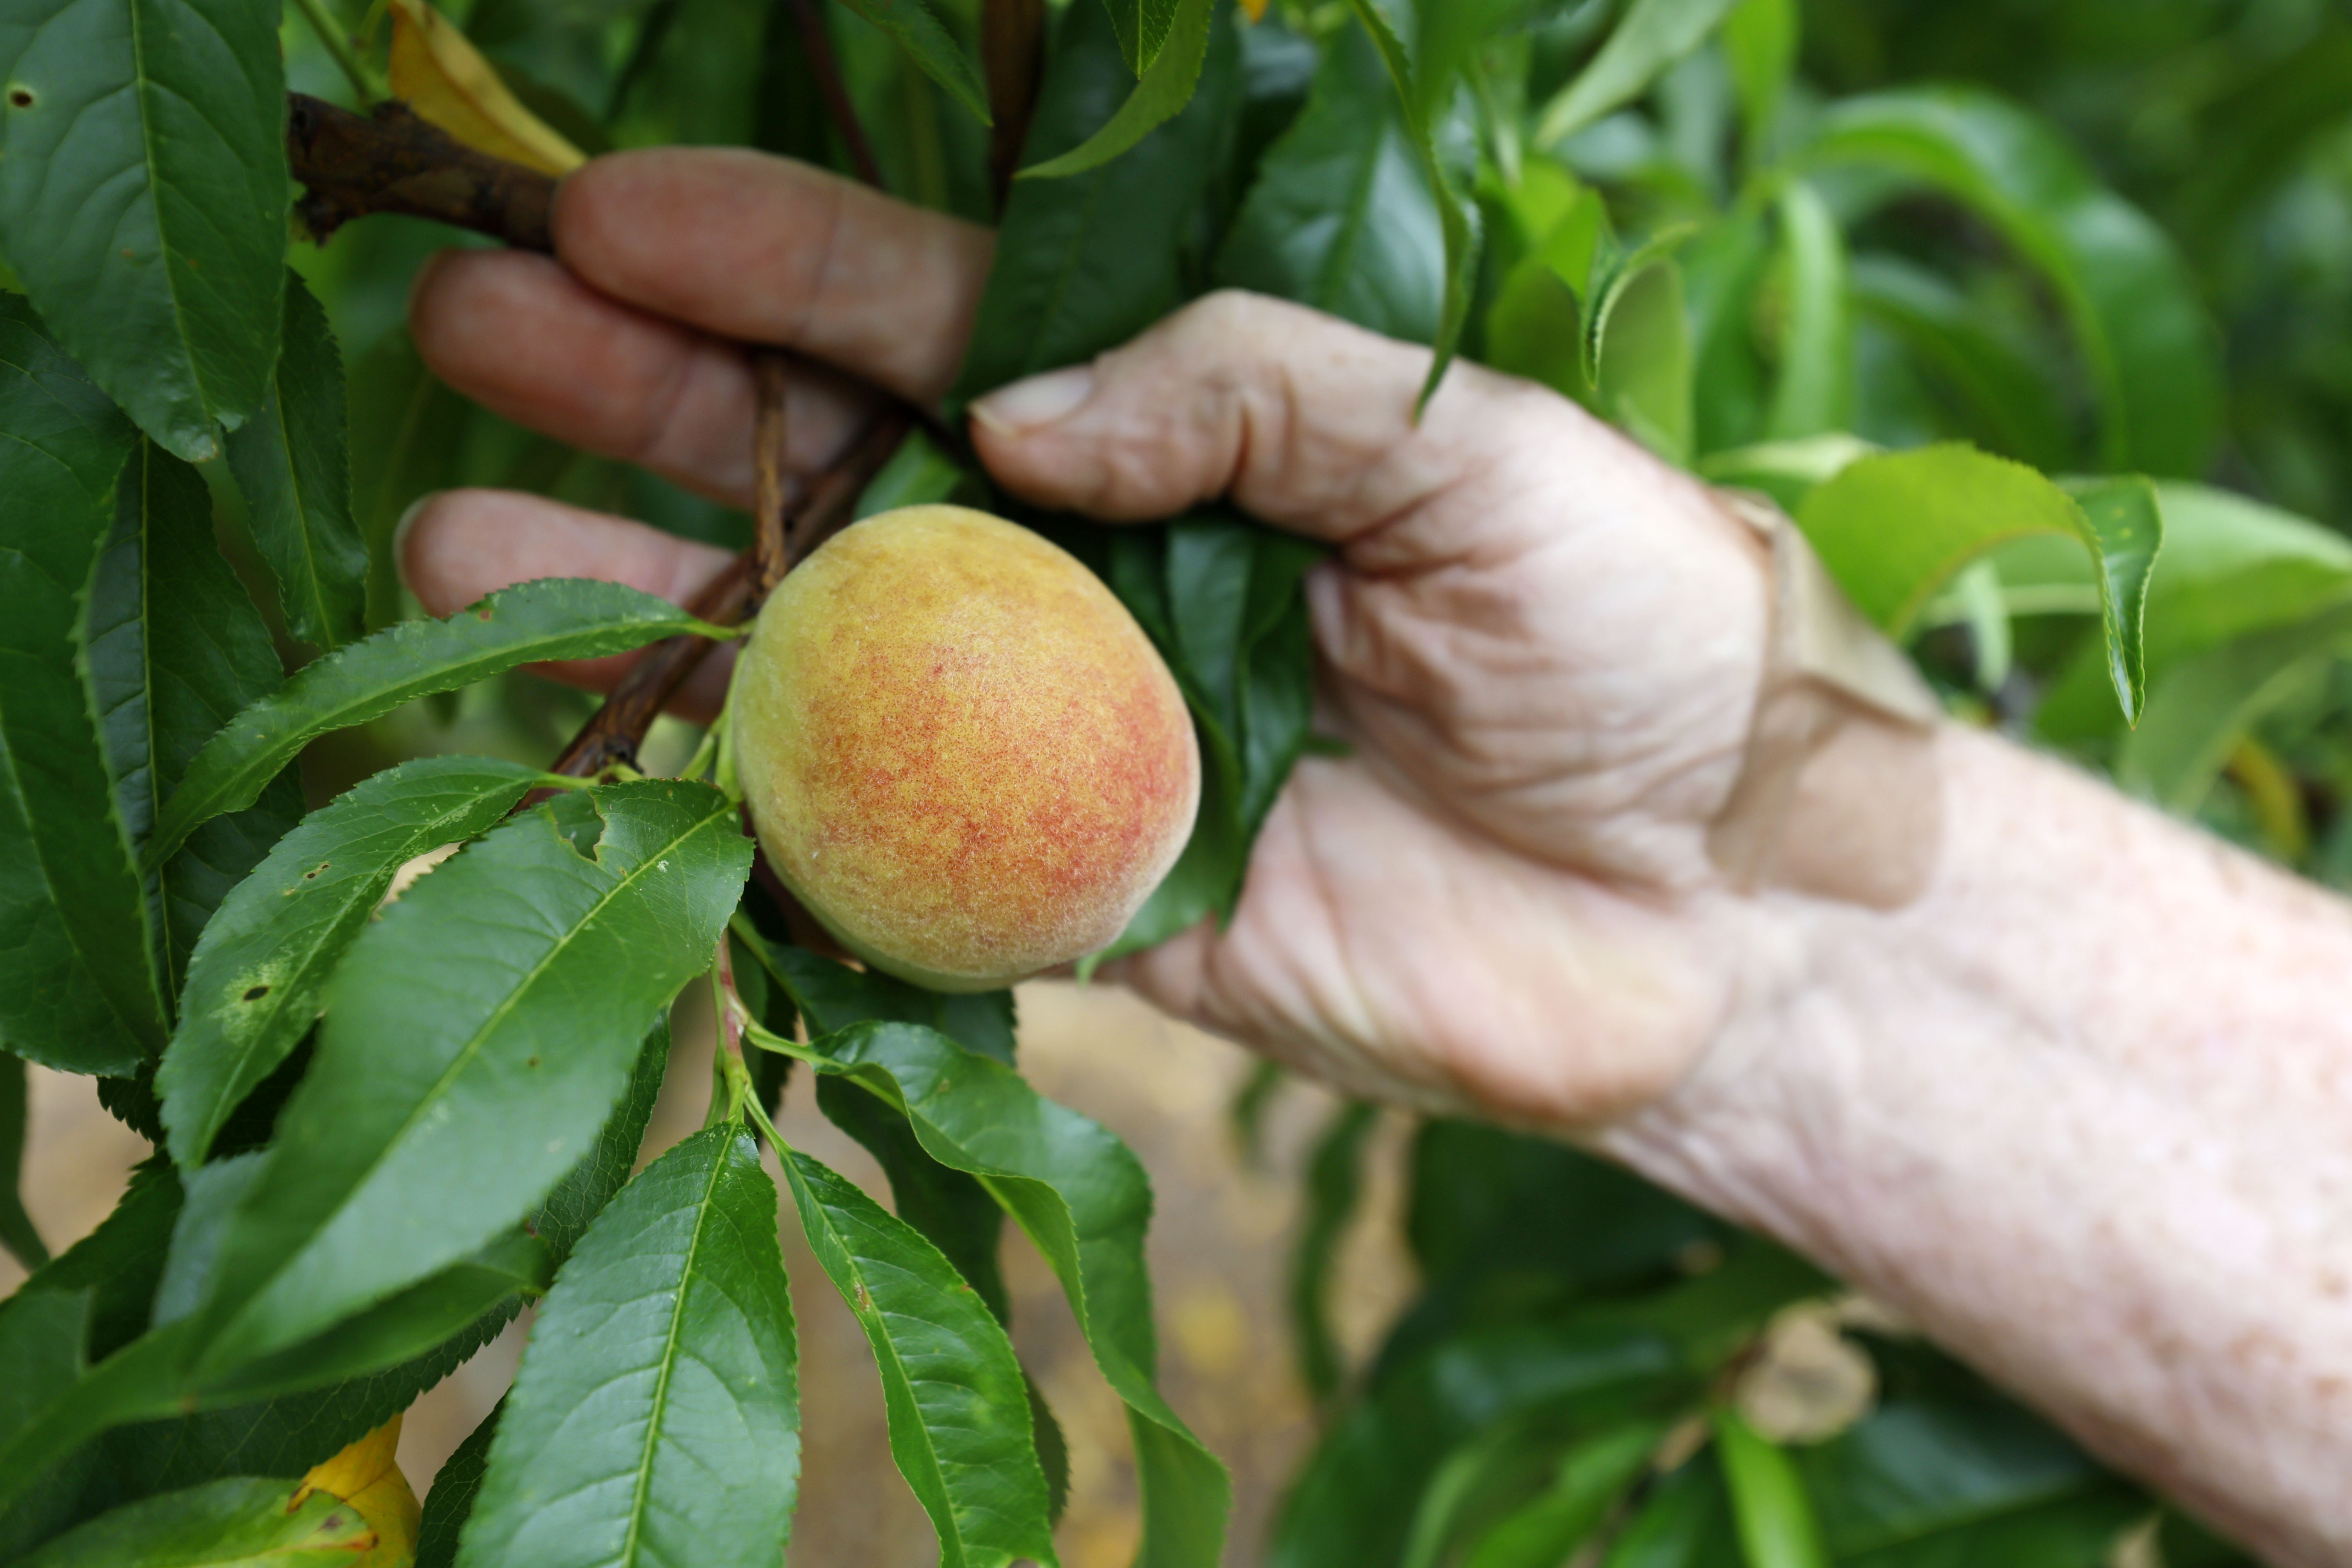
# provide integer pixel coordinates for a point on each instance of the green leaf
(255, 981)
(1547, 1530)
(398, 1330)
(1340, 217)
(1358, 1502)
(477, 1037)
(1814, 394)
(173, 650)
(292, 461)
(1085, 263)
(1334, 1176)
(1935, 1477)
(286, 1435)
(1428, 96)
(949, 1208)
(1686, 1523)
(918, 473)
(1999, 390)
(2205, 704)
(550, 619)
(2230, 567)
(1616, 269)
(449, 1505)
(1769, 1504)
(408, 436)
(2132, 306)
(78, 987)
(568, 1211)
(656, 1418)
(16, 1231)
(957, 1403)
(41, 1335)
(1646, 368)
(1788, 471)
(143, 198)
(1221, 598)
(1083, 1199)
(931, 46)
(832, 995)
(1894, 529)
(1143, 27)
(1654, 35)
(226, 1524)
(1167, 86)
(1759, 45)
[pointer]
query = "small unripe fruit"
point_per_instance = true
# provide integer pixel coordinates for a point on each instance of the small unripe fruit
(959, 750)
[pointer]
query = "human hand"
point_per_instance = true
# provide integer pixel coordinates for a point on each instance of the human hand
(1542, 643)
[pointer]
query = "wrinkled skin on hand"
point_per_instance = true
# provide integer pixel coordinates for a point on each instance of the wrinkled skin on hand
(1541, 644)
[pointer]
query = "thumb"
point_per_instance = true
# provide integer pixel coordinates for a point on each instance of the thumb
(1302, 419)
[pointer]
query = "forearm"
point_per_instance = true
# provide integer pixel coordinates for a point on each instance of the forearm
(2083, 1110)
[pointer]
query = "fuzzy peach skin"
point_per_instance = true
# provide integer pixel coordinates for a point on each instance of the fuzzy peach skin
(960, 751)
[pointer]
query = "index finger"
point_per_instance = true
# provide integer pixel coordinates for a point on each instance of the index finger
(750, 246)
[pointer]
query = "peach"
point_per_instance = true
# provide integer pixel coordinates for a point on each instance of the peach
(959, 750)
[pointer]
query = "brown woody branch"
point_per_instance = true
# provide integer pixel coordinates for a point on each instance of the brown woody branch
(393, 161)
(826, 508)
(1012, 50)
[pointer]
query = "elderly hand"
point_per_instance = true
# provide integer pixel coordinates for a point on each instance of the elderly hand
(1542, 643)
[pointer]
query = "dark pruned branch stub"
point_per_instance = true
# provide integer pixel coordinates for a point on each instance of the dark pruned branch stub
(393, 161)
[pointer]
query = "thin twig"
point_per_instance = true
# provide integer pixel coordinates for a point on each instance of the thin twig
(771, 376)
(618, 727)
(826, 68)
(1012, 49)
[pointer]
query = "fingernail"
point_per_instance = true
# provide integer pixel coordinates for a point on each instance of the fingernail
(400, 533)
(1040, 400)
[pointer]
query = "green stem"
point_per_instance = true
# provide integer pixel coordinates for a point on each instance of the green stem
(372, 88)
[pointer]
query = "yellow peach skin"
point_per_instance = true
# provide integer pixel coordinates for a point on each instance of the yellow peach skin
(959, 750)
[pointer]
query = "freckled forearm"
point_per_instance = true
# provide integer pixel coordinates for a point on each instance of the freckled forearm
(2085, 1111)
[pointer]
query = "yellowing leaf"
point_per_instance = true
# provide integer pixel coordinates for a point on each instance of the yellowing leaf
(367, 1477)
(1256, 9)
(445, 79)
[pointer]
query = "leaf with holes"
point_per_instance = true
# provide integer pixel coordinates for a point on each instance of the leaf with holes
(255, 980)
(476, 1038)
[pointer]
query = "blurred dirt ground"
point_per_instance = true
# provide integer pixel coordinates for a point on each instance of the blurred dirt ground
(1219, 1250)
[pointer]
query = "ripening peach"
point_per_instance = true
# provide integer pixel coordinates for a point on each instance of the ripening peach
(959, 750)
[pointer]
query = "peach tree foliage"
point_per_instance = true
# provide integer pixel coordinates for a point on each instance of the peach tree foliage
(1892, 304)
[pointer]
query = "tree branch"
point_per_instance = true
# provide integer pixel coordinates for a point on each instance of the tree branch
(1012, 50)
(618, 727)
(393, 161)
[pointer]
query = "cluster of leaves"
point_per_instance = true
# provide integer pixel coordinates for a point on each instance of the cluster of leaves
(1896, 309)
